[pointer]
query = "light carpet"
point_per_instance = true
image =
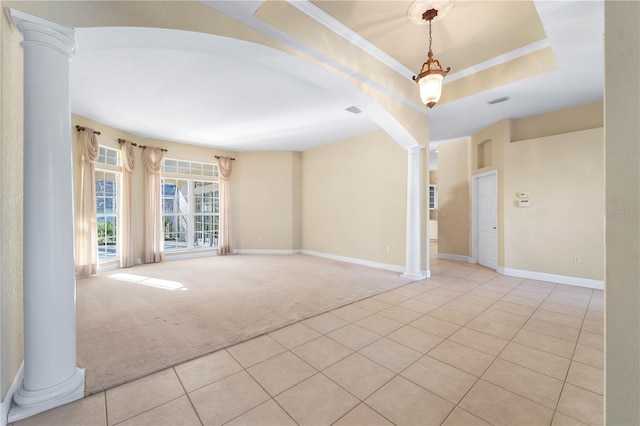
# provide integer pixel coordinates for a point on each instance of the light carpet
(135, 321)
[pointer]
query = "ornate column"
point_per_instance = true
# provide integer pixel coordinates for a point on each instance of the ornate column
(51, 377)
(414, 202)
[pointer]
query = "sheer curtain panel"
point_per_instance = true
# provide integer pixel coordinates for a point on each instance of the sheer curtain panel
(86, 238)
(224, 243)
(127, 234)
(153, 233)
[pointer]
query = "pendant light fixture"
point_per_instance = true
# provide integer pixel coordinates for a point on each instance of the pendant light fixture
(432, 74)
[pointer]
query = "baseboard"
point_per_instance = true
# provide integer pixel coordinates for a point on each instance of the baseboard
(457, 257)
(554, 278)
(109, 267)
(264, 251)
(169, 256)
(363, 262)
(8, 398)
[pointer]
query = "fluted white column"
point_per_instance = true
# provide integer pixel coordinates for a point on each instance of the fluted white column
(414, 200)
(51, 377)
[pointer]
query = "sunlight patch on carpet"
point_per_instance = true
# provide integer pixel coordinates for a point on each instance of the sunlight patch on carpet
(148, 281)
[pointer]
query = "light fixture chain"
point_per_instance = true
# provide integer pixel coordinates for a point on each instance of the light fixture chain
(429, 35)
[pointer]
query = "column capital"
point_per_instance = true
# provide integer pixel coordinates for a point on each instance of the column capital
(45, 33)
(414, 149)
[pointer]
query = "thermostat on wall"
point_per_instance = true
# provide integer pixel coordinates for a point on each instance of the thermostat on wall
(524, 203)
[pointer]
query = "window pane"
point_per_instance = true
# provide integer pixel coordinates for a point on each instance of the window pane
(112, 157)
(100, 184)
(108, 155)
(107, 239)
(109, 205)
(112, 226)
(168, 187)
(182, 196)
(184, 167)
(101, 154)
(196, 168)
(175, 232)
(167, 205)
(170, 166)
(99, 205)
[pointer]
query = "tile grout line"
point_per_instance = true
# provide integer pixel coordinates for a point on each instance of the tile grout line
(187, 394)
(106, 409)
(148, 410)
(455, 405)
(571, 363)
(478, 378)
(493, 362)
(362, 401)
(245, 369)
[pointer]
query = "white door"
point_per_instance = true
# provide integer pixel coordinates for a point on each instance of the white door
(487, 221)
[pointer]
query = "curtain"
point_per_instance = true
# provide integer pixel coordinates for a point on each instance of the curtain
(86, 238)
(127, 233)
(224, 242)
(153, 236)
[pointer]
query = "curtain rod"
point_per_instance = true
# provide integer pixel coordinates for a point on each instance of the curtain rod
(123, 141)
(80, 128)
(217, 157)
(144, 147)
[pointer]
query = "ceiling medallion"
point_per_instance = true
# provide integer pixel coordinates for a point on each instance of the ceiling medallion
(417, 8)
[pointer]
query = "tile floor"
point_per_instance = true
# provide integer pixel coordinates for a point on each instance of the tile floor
(467, 347)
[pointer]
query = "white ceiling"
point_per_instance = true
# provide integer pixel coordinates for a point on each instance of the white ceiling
(234, 95)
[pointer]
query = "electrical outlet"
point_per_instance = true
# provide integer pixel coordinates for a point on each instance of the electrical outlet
(388, 249)
(577, 258)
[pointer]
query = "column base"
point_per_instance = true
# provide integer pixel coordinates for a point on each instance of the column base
(27, 403)
(415, 276)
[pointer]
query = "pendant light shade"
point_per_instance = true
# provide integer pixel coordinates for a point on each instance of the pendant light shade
(432, 74)
(430, 84)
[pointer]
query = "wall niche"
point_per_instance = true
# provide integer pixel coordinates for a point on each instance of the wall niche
(484, 154)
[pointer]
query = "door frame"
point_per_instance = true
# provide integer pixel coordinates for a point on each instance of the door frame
(474, 216)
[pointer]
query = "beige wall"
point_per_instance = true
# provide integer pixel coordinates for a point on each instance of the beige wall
(354, 199)
(296, 225)
(564, 176)
(267, 200)
(622, 135)
(582, 117)
(11, 143)
(453, 198)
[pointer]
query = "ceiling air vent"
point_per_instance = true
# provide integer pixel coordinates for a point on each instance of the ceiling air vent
(498, 100)
(353, 110)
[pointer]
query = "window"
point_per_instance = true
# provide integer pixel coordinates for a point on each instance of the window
(108, 156)
(433, 197)
(107, 178)
(190, 206)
